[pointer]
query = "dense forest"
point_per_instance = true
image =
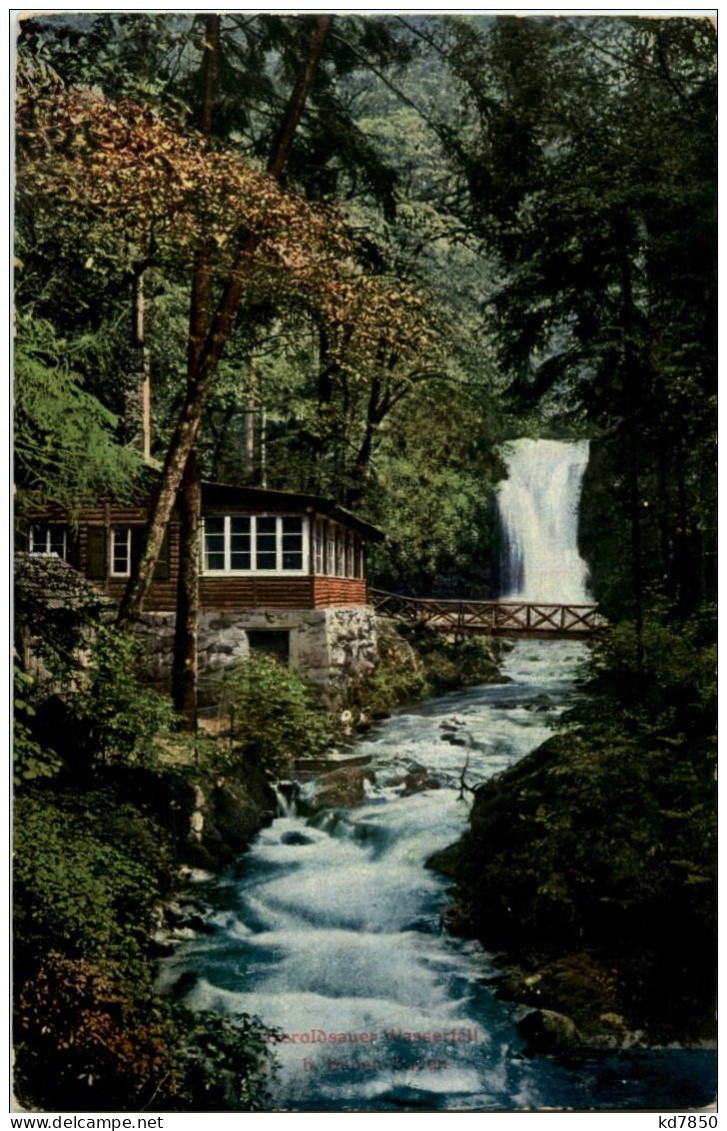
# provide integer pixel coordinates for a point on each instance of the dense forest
(353, 256)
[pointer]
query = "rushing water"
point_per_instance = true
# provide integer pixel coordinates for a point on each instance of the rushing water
(538, 505)
(331, 930)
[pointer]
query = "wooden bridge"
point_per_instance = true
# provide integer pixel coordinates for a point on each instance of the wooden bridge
(498, 618)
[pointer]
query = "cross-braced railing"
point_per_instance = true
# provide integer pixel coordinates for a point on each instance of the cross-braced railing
(498, 617)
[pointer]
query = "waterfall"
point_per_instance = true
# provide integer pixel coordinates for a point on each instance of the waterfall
(286, 795)
(538, 505)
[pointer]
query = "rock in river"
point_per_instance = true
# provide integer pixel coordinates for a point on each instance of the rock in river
(339, 789)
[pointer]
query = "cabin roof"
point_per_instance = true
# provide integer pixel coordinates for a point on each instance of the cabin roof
(44, 583)
(262, 498)
(225, 493)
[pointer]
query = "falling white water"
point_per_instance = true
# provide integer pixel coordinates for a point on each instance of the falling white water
(538, 505)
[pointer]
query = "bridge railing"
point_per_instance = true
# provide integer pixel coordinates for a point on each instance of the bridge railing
(464, 616)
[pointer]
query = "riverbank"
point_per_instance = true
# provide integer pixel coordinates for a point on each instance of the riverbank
(91, 1031)
(588, 868)
(415, 663)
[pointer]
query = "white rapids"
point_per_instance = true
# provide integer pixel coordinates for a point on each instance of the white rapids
(333, 931)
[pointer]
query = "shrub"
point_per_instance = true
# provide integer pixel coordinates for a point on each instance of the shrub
(90, 1039)
(676, 685)
(275, 715)
(90, 1031)
(81, 884)
(30, 760)
(122, 718)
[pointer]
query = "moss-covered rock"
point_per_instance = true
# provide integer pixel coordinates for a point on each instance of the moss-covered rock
(415, 663)
(545, 1030)
(590, 863)
(227, 812)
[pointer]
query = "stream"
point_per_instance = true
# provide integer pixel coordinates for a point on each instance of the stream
(330, 929)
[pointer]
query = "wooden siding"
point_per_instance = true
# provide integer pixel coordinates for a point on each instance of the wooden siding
(162, 596)
(328, 591)
(242, 593)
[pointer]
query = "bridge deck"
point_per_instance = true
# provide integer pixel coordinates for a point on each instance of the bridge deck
(501, 618)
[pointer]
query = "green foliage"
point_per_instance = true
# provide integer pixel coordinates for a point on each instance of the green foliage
(87, 1039)
(91, 706)
(122, 718)
(276, 716)
(415, 663)
(398, 677)
(450, 663)
(30, 760)
(590, 174)
(81, 883)
(675, 689)
(91, 1033)
(224, 1062)
(65, 451)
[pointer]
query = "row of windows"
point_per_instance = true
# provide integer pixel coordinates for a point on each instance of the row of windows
(260, 544)
(52, 538)
(336, 552)
(233, 544)
(278, 544)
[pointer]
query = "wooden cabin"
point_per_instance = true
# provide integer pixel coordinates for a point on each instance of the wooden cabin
(267, 558)
(258, 548)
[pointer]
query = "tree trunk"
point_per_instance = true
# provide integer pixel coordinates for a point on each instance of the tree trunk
(188, 424)
(631, 387)
(184, 663)
(138, 411)
(184, 670)
(378, 407)
(296, 103)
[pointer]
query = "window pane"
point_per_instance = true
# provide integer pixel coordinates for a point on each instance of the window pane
(120, 550)
(240, 555)
(214, 542)
(214, 559)
(318, 548)
(57, 540)
(240, 559)
(292, 543)
(45, 539)
(266, 543)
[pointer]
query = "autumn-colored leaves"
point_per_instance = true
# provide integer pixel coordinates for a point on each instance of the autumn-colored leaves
(144, 190)
(168, 191)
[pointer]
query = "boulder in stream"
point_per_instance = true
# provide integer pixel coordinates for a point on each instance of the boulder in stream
(545, 1030)
(340, 789)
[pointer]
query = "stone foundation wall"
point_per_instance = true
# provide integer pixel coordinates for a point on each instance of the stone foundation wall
(332, 646)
